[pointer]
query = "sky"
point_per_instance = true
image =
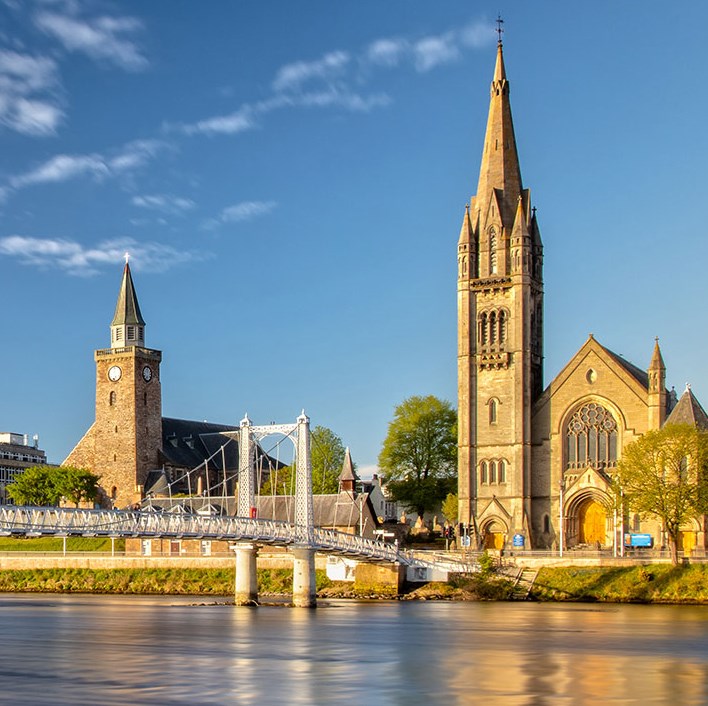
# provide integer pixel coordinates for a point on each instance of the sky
(290, 179)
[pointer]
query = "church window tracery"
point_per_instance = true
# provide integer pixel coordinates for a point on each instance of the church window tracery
(492, 329)
(591, 438)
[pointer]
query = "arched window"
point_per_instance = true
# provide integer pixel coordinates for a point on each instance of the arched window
(493, 411)
(493, 332)
(112, 398)
(492, 251)
(502, 328)
(591, 438)
(501, 470)
(492, 471)
(483, 326)
(484, 478)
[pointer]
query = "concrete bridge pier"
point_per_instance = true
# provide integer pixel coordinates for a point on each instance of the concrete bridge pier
(304, 585)
(246, 574)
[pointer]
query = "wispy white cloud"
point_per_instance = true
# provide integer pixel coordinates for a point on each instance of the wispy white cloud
(64, 167)
(243, 211)
(431, 52)
(164, 203)
(327, 81)
(80, 260)
(292, 76)
(230, 124)
(28, 93)
(102, 38)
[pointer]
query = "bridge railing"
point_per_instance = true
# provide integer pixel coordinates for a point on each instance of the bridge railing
(43, 521)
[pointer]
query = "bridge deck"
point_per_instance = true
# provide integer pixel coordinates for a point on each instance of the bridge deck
(61, 522)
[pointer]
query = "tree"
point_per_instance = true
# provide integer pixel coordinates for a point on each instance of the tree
(664, 474)
(36, 485)
(419, 454)
(77, 484)
(450, 508)
(327, 457)
(46, 485)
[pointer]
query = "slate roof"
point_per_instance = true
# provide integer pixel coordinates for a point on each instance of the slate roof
(186, 444)
(641, 376)
(688, 410)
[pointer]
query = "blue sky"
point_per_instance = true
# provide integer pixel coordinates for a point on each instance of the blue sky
(290, 180)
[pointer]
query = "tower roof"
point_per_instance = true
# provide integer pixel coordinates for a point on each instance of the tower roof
(657, 361)
(688, 410)
(127, 307)
(500, 162)
(347, 473)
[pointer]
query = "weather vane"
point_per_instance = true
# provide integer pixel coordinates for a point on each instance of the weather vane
(500, 29)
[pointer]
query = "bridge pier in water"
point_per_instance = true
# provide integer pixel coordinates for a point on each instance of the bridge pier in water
(246, 592)
(304, 583)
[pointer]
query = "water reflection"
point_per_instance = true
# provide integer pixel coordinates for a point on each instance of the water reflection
(133, 650)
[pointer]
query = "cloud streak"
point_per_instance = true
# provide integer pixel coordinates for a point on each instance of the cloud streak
(243, 211)
(79, 260)
(28, 93)
(103, 38)
(164, 203)
(64, 167)
(327, 81)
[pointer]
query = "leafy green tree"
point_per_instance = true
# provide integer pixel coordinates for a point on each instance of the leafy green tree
(450, 508)
(77, 484)
(419, 454)
(664, 474)
(36, 485)
(327, 456)
(46, 485)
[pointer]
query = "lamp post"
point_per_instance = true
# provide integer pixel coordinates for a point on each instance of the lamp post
(561, 488)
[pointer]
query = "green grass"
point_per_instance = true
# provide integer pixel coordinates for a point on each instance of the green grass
(198, 582)
(55, 544)
(659, 583)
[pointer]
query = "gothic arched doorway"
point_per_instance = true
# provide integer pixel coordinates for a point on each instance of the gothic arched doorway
(592, 522)
(494, 534)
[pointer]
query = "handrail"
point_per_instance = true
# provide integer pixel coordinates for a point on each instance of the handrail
(58, 522)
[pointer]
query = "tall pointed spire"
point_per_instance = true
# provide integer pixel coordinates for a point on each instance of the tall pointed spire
(500, 161)
(128, 325)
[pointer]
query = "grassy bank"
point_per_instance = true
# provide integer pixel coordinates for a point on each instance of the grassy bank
(660, 583)
(197, 582)
(56, 544)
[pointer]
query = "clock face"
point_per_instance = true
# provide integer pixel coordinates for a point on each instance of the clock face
(114, 373)
(147, 373)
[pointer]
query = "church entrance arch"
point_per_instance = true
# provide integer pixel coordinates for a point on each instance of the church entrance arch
(587, 517)
(494, 535)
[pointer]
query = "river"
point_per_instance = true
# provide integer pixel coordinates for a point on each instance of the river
(105, 650)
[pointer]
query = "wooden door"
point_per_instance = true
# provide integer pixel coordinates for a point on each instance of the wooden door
(592, 521)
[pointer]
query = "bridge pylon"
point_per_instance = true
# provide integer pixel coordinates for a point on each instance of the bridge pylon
(304, 584)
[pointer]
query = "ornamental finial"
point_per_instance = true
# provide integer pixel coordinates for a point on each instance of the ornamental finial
(500, 29)
(126, 257)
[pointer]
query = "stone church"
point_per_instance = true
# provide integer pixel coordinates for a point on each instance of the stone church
(536, 462)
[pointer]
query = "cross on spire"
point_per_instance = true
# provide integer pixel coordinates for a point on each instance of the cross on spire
(126, 257)
(499, 30)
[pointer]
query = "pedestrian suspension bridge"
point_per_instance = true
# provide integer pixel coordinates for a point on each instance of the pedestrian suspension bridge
(244, 530)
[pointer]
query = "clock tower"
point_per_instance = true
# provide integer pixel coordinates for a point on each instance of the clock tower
(124, 442)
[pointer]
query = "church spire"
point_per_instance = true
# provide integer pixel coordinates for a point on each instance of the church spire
(128, 325)
(500, 162)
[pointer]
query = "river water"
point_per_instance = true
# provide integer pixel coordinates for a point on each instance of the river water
(101, 650)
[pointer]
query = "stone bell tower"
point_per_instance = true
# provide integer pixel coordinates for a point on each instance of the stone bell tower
(123, 443)
(500, 334)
